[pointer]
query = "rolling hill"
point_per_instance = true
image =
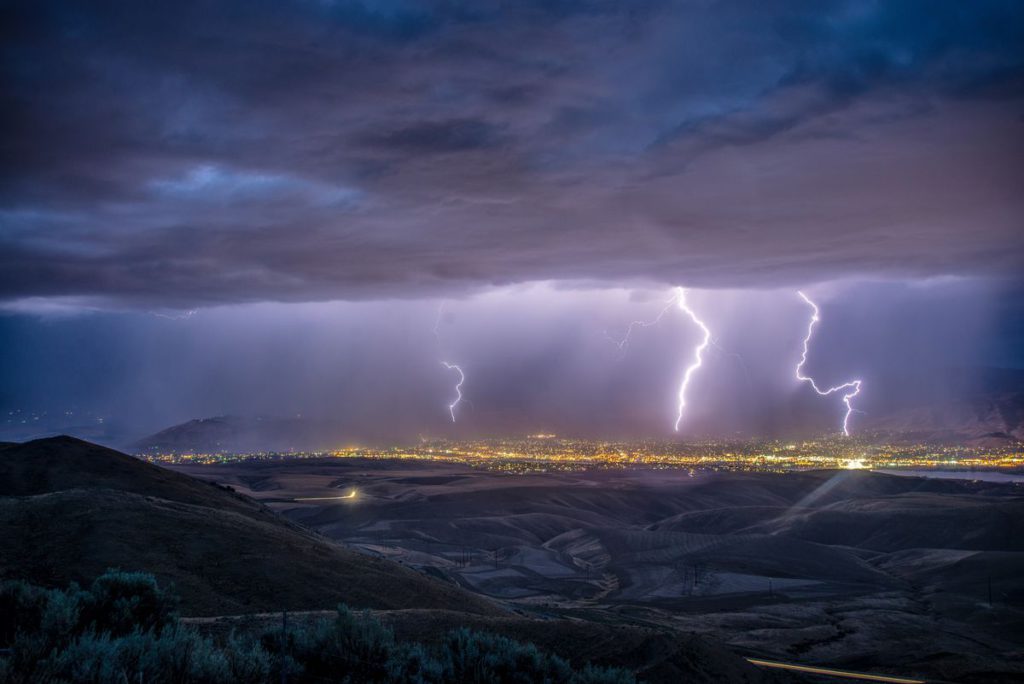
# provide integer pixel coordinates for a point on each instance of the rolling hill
(905, 575)
(70, 509)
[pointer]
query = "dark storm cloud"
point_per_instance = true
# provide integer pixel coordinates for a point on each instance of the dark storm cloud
(453, 135)
(190, 153)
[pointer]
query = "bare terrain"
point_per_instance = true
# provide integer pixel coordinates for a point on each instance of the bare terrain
(69, 510)
(850, 569)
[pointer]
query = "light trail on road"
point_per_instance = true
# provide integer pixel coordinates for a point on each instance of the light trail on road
(828, 672)
(350, 495)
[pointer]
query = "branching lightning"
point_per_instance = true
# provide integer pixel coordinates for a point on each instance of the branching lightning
(176, 317)
(680, 300)
(624, 342)
(853, 385)
(458, 387)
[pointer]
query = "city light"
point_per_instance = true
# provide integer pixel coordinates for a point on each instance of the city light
(548, 453)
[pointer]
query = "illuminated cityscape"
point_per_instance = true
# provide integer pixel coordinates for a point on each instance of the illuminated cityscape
(549, 453)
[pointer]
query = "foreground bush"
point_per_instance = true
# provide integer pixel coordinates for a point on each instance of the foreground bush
(125, 628)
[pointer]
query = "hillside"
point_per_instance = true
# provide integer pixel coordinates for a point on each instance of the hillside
(61, 463)
(237, 434)
(70, 509)
(909, 521)
(991, 419)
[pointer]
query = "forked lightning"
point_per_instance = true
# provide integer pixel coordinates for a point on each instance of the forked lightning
(853, 385)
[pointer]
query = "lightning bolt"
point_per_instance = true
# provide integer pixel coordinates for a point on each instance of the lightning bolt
(450, 366)
(853, 385)
(176, 317)
(437, 324)
(624, 342)
(458, 387)
(698, 360)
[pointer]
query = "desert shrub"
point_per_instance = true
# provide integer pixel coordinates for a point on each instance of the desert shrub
(479, 657)
(21, 608)
(592, 674)
(349, 648)
(175, 654)
(33, 623)
(247, 661)
(360, 646)
(62, 617)
(119, 603)
(97, 635)
(124, 628)
(414, 664)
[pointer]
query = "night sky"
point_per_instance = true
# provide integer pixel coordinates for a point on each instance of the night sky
(269, 208)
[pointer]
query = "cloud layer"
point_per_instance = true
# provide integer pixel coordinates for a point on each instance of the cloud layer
(185, 154)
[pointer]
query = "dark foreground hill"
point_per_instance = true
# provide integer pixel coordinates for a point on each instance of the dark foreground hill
(61, 463)
(70, 509)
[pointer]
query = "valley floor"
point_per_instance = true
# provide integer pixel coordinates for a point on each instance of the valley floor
(855, 570)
